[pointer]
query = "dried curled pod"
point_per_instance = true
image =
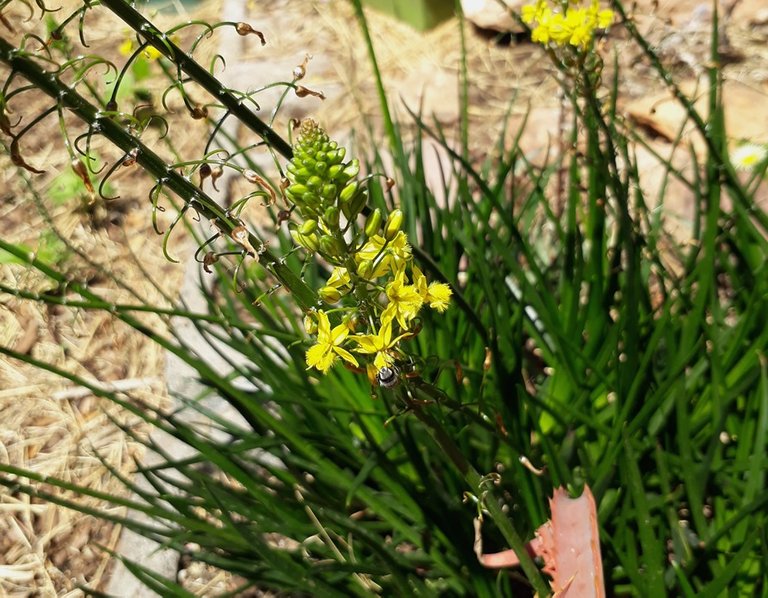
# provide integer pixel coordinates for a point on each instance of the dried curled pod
(82, 172)
(240, 236)
(303, 92)
(245, 29)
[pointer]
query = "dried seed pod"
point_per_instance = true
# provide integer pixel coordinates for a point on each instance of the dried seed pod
(17, 159)
(240, 235)
(216, 173)
(245, 29)
(209, 259)
(82, 172)
(251, 176)
(205, 172)
(303, 92)
(283, 216)
(130, 158)
(5, 124)
(301, 70)
(198, 112)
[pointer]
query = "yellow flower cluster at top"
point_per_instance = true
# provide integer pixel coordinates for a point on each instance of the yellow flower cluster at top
(375, 289)
(575, 26)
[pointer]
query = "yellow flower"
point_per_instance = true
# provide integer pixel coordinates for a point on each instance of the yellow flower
(404, 300)
(747, 156)
(382, 345)
(604, 19)
(149, 52)
(323, 354)
(385, 256)
(575, 27)
(532, 12)
(436, 294)
(339, 278)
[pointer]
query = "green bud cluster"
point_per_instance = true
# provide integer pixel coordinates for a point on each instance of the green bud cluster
(322, 184)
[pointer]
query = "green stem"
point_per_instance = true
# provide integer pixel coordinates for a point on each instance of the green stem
(198, 74)
(194, 197)
(474, 481)
(389, 124)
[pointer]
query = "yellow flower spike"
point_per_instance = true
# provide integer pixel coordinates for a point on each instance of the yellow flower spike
(382, 345)
(322, 355)
(404, 300)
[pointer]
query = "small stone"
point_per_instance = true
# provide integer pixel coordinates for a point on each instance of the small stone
(489, 14)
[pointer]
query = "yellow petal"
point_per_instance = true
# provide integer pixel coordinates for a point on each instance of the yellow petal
(318, 356)
(338, 334)
(367, 343)
(323, 327)
(345, 355)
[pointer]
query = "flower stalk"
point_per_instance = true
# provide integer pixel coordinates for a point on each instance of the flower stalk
(192, 196)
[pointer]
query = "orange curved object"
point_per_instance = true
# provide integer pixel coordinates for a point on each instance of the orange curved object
(569, 545)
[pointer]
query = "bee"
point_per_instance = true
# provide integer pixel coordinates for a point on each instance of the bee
(388, 377)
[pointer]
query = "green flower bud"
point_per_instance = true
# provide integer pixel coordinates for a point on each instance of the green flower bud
(365, 269)
(309, 242)
(348, 191)
(329, 294)
(373, 223)
(308, 227)
(329, 191)
(311, 200)
(316, 172)
(353, 168)
(296, 191)
(331, 217)
(302, 174)
(310, 324)
(314, 182)
(393, 224)
(334, 172)
(335, 156)
(353, 207)
(331, 246)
